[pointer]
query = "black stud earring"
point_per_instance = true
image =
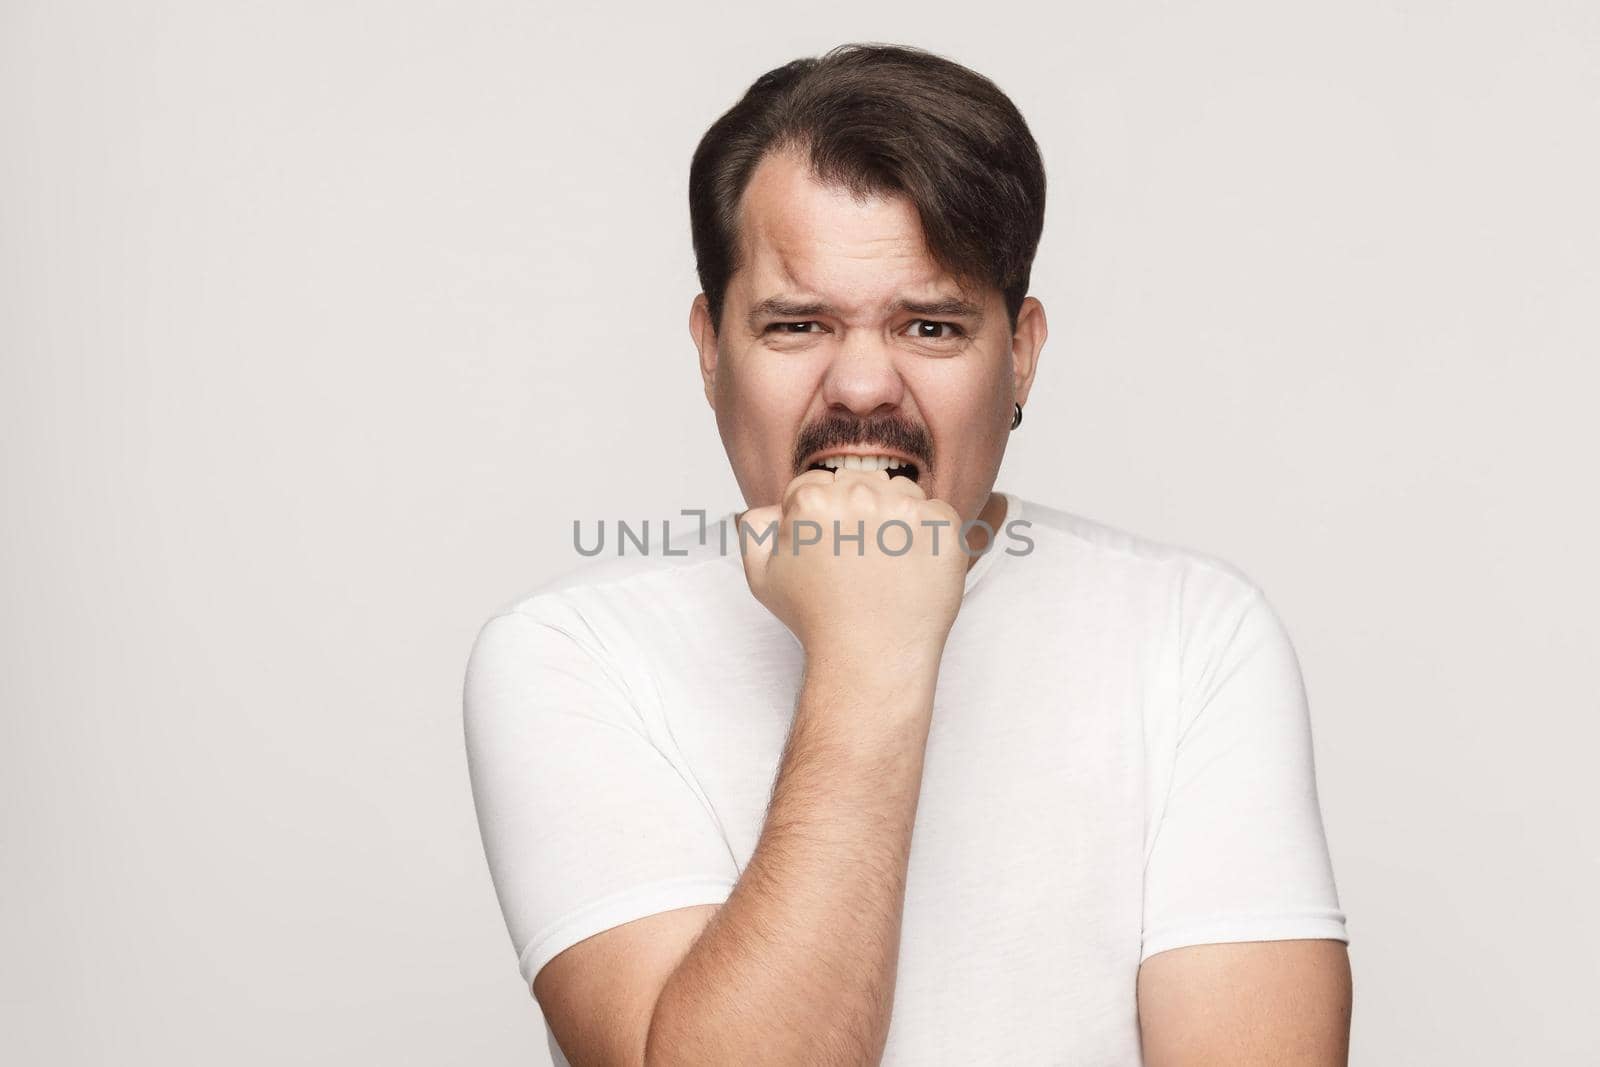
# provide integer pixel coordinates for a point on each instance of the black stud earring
(1016, 420)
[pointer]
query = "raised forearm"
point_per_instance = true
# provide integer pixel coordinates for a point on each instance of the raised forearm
(798, 966)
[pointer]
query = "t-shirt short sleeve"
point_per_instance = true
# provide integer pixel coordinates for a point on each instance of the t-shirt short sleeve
(1240, 853)
(586, 823)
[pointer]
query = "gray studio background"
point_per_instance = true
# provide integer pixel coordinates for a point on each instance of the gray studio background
(321, 322)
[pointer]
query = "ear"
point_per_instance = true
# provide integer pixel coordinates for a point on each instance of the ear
(1026, 341)
(705, 340)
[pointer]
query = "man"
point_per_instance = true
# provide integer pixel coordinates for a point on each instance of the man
(1040, 793)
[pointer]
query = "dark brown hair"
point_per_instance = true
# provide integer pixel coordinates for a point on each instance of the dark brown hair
(876, 119)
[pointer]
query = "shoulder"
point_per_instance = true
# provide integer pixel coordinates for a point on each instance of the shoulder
(610, 604)
(1097, 547)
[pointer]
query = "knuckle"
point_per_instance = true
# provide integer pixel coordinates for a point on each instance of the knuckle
(806, 478)
(861, 493)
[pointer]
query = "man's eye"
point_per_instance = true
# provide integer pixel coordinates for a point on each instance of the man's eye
(791, 327)
(928, 330)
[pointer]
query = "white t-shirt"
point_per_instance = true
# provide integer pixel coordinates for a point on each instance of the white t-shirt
(1119, 762)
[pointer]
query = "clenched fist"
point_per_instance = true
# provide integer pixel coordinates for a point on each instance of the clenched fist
(864, 569)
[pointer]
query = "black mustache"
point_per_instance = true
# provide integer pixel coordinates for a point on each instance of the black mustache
(892, 433)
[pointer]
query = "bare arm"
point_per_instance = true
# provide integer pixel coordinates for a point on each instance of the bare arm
(798, 965)
(1278, 1003)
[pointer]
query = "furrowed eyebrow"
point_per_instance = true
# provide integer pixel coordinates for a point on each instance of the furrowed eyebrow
(777, 306)
(789, 309)
(952, 307)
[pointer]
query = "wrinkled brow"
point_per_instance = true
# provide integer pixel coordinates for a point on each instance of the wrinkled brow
(784, 307)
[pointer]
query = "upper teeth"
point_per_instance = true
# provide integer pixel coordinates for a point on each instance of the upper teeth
(862, 463)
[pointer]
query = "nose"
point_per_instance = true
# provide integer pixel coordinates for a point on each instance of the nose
(862, 376)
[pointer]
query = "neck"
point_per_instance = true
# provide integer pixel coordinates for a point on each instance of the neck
(994, 514)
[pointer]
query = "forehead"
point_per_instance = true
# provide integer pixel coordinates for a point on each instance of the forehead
(803, 237)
